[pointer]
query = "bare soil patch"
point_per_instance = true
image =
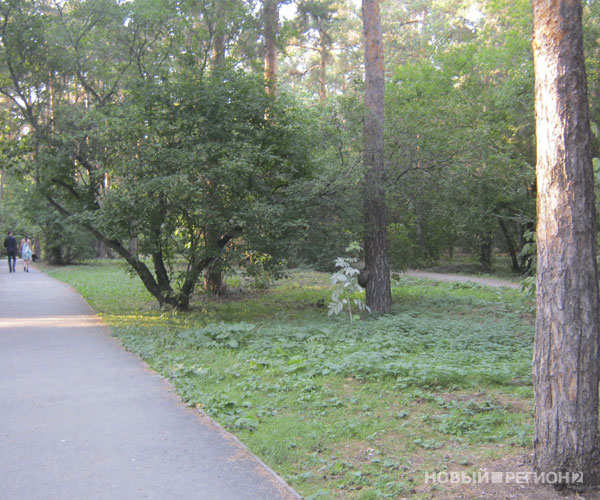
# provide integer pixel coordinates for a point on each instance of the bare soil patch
(510, 478)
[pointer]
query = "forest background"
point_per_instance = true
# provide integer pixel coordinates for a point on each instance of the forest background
(144, 127)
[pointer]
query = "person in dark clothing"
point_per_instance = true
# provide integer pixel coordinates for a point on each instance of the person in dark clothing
(10, 243)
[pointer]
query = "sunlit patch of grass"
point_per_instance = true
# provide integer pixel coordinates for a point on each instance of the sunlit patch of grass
(341, 411)
(106, 286)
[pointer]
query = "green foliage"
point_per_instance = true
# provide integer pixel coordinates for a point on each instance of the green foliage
(345, 286)
(64, 243)
(22, 212)
(202, 153)
(403, 251)
(333, 197)
(529, 286)
(529, 250)
(215, 335)
(138, 140)
(460, 132)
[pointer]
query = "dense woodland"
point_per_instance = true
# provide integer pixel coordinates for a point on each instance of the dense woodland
(147, 130)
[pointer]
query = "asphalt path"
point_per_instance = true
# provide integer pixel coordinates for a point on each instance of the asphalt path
(459, 278)
(82, 419)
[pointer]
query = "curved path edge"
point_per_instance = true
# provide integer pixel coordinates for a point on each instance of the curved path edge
(83, 419)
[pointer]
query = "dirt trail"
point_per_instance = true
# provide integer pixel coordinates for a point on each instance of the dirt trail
(461, 279)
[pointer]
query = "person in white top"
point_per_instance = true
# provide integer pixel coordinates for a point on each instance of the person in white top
(26, 252)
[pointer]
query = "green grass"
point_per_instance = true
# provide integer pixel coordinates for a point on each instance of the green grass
(341, 411)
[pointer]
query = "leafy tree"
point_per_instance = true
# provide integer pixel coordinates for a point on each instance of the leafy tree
(194, 159)
(136, 141)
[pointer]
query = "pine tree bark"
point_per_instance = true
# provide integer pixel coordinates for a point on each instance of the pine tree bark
(565, 364)
(270, 29)
(378, 289)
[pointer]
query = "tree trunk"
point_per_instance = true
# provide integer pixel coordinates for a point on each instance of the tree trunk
(213, 275)
(510, 246)
(160, 271)
(322, 67)
(133, 246)
(565, 364)
(218, 35)
(485, 252)
(213, 280)
(160, 290)
(270, 29)
(522, 242)
(378, 290)
(101, 252)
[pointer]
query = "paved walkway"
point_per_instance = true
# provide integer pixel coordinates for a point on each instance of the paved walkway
(462, 279)
(81, 419)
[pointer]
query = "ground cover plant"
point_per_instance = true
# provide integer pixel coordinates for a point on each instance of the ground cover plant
(341, 410)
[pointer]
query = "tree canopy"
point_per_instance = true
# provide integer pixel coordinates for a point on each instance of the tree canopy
(146, 124)
(130, 136)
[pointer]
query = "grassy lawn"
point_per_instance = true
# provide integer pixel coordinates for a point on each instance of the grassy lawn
(341, 411)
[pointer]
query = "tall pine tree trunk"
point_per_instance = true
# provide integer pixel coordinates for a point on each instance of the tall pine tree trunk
(218, 36)
(565, 365)
(378, 288)
(322, 67)
(270, 29)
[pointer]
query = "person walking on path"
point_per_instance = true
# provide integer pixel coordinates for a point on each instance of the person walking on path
(26, 246)
(10, 243)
